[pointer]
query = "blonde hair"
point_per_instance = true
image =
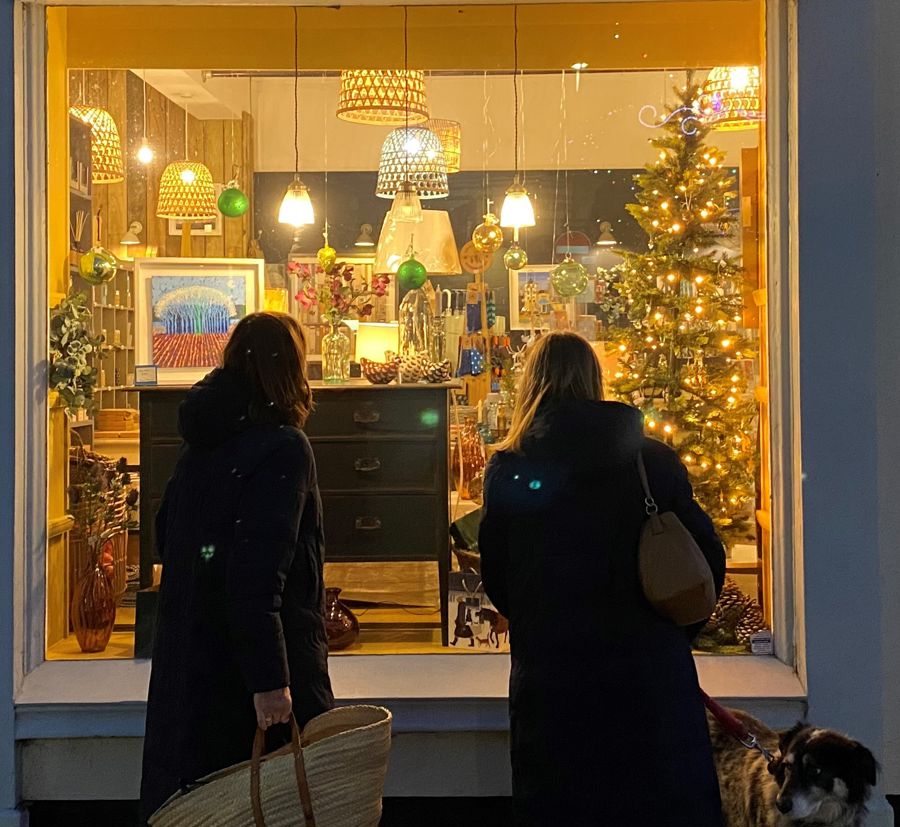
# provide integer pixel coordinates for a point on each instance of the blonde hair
(559, 366)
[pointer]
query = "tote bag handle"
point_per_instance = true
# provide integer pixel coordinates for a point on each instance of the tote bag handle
(259, 745)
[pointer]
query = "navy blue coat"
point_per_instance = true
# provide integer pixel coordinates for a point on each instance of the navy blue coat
(607, 724)
(241, 605)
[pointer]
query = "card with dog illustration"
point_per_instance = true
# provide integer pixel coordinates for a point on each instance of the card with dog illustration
(474, 622)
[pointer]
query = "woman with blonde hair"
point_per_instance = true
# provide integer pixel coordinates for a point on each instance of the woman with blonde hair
(607, 724)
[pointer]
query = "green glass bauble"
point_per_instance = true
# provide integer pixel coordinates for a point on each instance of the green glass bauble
(233, 203)
(488, 237)
(569, 278)
(98, 266)
(515, 258)
(411, 274)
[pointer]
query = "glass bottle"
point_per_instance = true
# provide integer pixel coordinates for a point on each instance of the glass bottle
(335, 356)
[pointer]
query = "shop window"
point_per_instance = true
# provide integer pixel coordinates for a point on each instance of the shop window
(642, 155)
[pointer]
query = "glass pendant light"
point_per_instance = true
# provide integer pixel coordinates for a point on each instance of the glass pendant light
(296, 206)
(406, 206)
(517, 210)
(607, 239)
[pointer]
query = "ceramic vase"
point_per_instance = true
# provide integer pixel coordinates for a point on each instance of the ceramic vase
(341, 624)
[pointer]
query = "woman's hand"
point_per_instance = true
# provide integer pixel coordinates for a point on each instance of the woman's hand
(272, 707)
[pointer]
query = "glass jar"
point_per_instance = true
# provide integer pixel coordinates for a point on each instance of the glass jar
(335, 356)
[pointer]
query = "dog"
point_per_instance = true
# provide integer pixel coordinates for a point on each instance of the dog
(818, 777)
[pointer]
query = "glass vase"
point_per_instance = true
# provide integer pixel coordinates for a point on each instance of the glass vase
(94, 609)
(335, 356)
(341, 625)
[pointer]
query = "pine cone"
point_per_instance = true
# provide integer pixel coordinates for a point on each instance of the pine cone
(751, 622)
(732, 605)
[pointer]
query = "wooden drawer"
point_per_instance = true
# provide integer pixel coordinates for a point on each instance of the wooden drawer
(345, 413)
(372, 464)
(159, 413)
(383, 527)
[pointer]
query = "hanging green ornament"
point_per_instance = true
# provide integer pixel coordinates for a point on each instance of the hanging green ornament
(326, 256)
(570, 278)
(411, 274)
(515, 258)
(233, 202)
(488, 237)
(97, 266)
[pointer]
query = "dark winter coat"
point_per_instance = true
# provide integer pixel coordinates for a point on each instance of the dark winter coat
(241, 605)
(607, 724)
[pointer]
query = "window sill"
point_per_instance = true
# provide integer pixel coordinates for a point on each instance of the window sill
(427, 693)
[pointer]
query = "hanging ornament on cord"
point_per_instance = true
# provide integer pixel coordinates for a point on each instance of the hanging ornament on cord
(326, 255)
(98, 265)
(488, 236)
(515, 258)
(411, 274)
(570, 278)
(233, 202)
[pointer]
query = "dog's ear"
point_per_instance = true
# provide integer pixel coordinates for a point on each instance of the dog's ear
(866, 764)
(785, 737)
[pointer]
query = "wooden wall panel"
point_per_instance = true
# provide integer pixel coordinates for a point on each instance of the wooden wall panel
(247, 171)
(116, 218)
(156, 228)
(135, 173)
(176, 143)
(195, 152)
(96, 93)
(232, 231)
(213, 154)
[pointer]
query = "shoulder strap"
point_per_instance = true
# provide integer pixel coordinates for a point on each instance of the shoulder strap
(649, 503)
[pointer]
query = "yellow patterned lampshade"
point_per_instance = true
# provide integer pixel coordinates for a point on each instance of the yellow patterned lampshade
(106, 148)
(731, 98)
(383, 97)
(450, 136)
(186, 192)
(413, 155)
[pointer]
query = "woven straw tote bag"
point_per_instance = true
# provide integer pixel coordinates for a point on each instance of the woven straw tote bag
(331, 775)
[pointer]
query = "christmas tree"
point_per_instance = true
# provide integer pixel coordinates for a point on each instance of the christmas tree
(674, 317)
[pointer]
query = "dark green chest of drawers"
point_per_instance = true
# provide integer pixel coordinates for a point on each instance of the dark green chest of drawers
(381, 457)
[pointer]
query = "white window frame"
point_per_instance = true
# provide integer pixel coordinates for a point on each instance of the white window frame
(31, 291)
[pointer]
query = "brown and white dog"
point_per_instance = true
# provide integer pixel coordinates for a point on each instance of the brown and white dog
(819, 778)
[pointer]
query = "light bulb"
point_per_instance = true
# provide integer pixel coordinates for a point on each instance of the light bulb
(412, 145)
(188, 176)
(517, 210)
(145, 153)
(406, 207)
(296, 206)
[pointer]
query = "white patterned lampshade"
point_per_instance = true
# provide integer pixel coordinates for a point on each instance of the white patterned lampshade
(731, 98)
(187, 192)
(450, 136)
(106, 147)
(432, 241)
(413, 155)
(383, 97)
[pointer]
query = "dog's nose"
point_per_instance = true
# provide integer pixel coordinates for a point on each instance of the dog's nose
(784, 803)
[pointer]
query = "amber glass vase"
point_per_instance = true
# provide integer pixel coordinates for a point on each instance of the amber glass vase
(94, 609)
(341, 624)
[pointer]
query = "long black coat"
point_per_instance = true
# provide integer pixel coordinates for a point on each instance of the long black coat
(607, 724)
(241, 605)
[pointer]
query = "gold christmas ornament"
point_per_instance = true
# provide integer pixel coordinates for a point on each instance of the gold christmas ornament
(731, 98)
(186, 192)
(326, 256)
(383, 97)
(488, 236)
(450, 136)
(106, 148)
(515, 258)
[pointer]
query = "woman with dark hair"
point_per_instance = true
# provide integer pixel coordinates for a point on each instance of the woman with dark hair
(240, 639)
(607, 723)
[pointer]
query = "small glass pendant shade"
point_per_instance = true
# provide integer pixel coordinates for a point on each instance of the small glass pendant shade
(517, 210)
(296, 206)
(406, 207)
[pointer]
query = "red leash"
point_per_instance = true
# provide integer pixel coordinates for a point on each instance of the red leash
(736, 728)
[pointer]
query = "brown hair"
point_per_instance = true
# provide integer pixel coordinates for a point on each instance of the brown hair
(268, 350)
(559, 366)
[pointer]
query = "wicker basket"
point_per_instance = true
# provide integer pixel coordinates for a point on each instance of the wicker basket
(338, 773)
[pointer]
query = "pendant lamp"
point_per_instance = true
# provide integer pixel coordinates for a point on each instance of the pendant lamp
(435, 244)
(517, 210)
(106, 147)
(412, 155)
(145, 154)
(607, 239)
(731, 98)
(296, 206)
(450, 136)
(383, 97)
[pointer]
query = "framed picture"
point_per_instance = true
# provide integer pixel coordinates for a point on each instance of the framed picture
(201, 228)
(551, 311)
(186, 308)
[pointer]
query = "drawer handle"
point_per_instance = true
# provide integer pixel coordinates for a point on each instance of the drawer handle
(365, 465)
(368, 524)
(366, 417)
